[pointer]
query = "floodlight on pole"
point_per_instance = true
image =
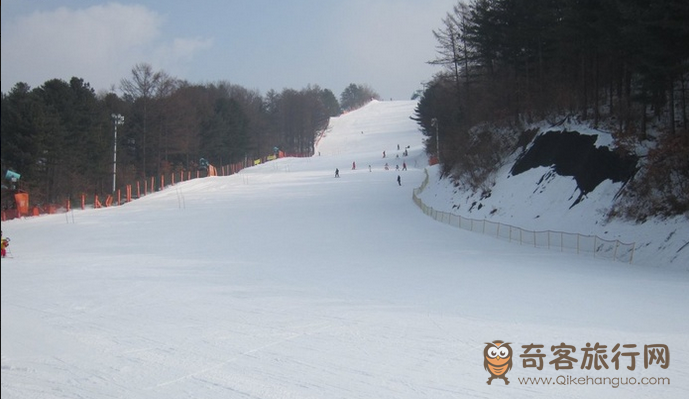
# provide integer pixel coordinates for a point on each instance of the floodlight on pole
(117, 120)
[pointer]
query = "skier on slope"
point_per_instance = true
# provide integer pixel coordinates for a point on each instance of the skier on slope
(5, 243)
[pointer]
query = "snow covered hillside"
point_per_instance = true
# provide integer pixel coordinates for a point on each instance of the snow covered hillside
(283, 281)
(540, 199)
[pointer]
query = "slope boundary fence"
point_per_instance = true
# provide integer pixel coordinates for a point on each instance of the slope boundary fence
(131, 191)
(554, 240)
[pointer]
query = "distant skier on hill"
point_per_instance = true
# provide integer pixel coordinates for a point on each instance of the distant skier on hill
(337, 172)
(399, 180)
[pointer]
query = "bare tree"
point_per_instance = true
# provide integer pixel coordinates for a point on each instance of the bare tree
(453, 50)
(144, 87)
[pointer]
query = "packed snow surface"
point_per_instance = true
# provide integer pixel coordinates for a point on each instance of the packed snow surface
(283, 281)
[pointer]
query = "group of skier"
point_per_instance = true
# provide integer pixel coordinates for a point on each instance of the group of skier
(387, 167)
(399, 178)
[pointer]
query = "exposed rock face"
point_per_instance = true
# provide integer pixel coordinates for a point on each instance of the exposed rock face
(574, 154)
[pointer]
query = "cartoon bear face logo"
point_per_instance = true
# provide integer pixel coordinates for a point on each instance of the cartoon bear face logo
(497, 360)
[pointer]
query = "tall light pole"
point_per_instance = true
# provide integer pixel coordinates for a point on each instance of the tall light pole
(434, 122)
(117, 120)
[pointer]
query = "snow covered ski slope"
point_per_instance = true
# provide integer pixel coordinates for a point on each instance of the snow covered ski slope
(285, 282)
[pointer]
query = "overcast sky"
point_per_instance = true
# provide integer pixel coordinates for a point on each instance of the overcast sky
(258, 44)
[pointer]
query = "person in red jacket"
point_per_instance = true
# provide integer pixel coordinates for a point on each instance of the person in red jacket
(5, 243)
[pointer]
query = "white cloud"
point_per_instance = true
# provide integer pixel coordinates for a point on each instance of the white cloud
(99, 44)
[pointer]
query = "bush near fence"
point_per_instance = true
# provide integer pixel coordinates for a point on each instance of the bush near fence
(556, 240)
